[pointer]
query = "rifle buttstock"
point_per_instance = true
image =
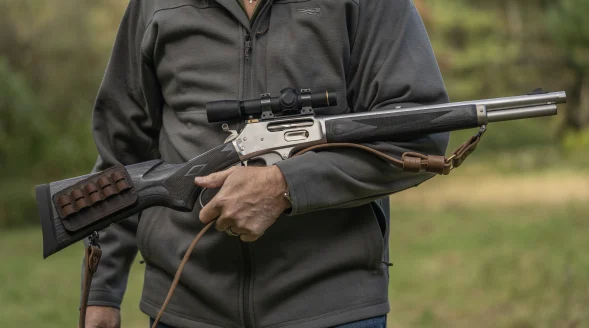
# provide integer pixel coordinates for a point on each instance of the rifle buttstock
(64, 221)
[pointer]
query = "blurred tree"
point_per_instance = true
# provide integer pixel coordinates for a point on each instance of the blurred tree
(52, 58)
(507, 47)
(474, 52)
(21, 142)
(569, 27)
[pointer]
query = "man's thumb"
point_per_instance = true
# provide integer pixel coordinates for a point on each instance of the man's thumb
(214, 180)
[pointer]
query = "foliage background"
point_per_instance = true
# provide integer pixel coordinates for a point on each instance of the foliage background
(52, 57)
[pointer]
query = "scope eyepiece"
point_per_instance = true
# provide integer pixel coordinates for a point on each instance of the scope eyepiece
(290, 102)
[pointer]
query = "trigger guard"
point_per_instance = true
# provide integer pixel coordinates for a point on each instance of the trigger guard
(270, 158)
(200, 197)
(203, 201)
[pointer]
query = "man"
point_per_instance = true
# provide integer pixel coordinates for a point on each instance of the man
(323, 264)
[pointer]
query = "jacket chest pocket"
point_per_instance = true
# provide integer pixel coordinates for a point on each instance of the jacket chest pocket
(307, 46)
(197, 54)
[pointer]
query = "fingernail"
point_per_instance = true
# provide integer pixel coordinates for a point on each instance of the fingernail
(198, 179)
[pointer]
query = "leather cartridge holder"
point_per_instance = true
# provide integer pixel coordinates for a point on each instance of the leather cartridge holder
(94, 198)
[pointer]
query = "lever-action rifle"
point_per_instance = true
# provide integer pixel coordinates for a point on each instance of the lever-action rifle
(275, 129)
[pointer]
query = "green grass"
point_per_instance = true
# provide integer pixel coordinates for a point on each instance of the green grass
(467, 267)
(45, 293)
(490, 267)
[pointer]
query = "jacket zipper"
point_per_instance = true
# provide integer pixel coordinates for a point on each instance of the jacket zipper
(247, 257)
(247, 273)
(248, 46)
(245, 253)
(247, 52)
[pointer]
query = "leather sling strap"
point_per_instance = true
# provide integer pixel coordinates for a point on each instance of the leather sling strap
(415, 162)
(409, 162)
(91, 260)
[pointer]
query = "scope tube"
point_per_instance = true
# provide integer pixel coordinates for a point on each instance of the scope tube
(289, 102)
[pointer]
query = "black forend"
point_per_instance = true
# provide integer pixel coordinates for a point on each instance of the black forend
(401, 125)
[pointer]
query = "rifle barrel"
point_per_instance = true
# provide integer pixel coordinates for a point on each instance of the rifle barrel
(524, 101)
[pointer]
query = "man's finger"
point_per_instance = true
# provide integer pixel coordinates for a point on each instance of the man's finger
(223, 223)
(214, 180)
(247, 237)
(234, 229)
(210, 212)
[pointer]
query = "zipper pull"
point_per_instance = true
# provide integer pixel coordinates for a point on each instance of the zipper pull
(248, 45)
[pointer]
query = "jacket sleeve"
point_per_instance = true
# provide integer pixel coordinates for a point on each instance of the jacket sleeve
(126, 122)
(392, 64)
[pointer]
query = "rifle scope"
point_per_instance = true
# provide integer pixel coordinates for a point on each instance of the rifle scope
(290, 102)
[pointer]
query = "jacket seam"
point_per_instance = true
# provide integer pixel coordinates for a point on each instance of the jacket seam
(133, 95)
(163, 9)
(357, 27)
(354, 43)
(103, 303)
(252, 289)
(103, 290)
(289, 1)
(185, 316)
(400, 29)
(176, 7)
(355, 307)
(142, 21)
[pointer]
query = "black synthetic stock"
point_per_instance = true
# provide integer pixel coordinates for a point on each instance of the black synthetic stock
(45, 209)
(401, 125)
(181, 184)
(156, 184)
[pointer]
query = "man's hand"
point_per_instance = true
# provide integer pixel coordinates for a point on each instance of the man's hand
(103, 317)
(250, 199)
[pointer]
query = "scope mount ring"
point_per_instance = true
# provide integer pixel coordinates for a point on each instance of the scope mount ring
(266, 103)
(306, 102)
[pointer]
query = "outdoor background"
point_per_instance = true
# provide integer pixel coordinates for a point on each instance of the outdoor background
(502, 242)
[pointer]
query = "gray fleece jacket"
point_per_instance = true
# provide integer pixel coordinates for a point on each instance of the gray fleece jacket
(321, 266)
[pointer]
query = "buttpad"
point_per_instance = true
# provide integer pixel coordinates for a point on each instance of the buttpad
(95, 197)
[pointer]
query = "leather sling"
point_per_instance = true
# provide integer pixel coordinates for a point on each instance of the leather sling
(91, 260)
(409, 162)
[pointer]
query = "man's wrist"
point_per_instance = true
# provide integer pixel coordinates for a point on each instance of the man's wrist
(283, 187)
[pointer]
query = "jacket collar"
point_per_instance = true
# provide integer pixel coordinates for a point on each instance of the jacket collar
(235, 9)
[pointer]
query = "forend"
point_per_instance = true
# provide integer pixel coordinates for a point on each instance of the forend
(290, 103)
